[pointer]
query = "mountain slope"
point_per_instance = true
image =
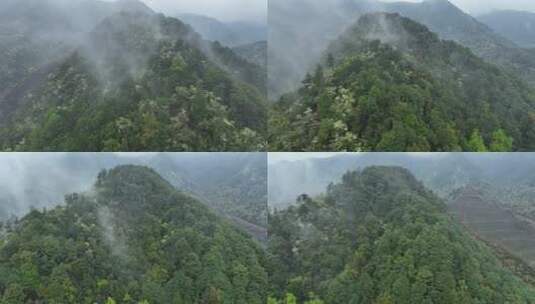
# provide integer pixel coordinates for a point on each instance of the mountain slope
(379, 236)
(132, 239)
(311, 25)
(517, 26)
(489, 221)
(233, 185)
(142, 82)
(228, 33)
(34, 34)
(255, 52)
(390, 84)
(451, 23)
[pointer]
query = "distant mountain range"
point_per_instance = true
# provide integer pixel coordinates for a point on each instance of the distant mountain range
(134, 238)
(228, 33)
(390, 84)
(311, 25)
(517, 26)
(60, 66)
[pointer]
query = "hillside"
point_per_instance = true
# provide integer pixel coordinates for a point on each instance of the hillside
(491, 222)
(390, 84)
(233, 185)
(517, 26)
(106, 64)
(133, 239)
(35, 34)
(379, 236)
(255, 52)
(141, 82)
(451, 23)
(228, 33)
(311, 25)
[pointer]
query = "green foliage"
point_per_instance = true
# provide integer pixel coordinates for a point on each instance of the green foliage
(476, 143)
(501, 142)
(412, 92)
(133, 239)
(148, 87)
(379, 236)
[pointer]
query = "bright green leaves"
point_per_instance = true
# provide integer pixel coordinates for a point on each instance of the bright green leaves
(501, 142)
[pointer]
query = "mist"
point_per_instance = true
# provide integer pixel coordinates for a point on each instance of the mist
(293, 174)
(41, 180)
(300, 31)
(477, 7)
(227, 10)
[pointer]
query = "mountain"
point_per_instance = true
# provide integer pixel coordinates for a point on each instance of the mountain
(504, 177)
(139, 81)
(312, 25)
(517, 26)
(451, 23)
(380, 236)
(491, 222)
(227, 33)
(132, 239)
(443, 173)
(233, 185)
(255, 52)
(35, 34)
(390, 84)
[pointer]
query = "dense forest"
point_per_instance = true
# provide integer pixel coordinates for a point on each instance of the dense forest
(132, 239)
(389, 84)
(380, 236)
(137, 81)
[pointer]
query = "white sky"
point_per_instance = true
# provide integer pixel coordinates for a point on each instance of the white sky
(276, 157)
(476, 7)
(224, 10)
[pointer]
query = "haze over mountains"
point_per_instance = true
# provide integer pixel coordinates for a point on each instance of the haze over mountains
(378, 235)
(517, 26)
(135, 238)
(116, 51)
(311, 25)
(441, 172)
(232, 185)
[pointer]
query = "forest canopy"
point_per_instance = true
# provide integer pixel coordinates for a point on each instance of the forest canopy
(389, 84)
(132, 239)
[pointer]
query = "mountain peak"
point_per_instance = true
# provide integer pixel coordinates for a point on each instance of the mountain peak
(133, 5)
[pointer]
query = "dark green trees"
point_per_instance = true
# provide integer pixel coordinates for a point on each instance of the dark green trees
(143, 82)
(389, 84)
(379, 236)
(133, 239)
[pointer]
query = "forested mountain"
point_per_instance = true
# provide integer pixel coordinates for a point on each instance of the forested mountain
(506, 177)
(517, 26)
(390, 84)
(502, 229)
(137, 81)
(233, 185)
(379, 236)
(228, 33)
(36, 34)
(133, 239)
(311, 25)
(451, 23)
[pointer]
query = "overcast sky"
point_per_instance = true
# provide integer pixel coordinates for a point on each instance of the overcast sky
(224, 10)
(276, 157)
(476, 7)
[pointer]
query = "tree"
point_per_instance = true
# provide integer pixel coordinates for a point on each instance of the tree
(501, 142)
(476, 142)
